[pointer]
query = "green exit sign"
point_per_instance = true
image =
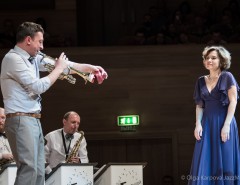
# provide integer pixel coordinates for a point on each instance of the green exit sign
(128, 120)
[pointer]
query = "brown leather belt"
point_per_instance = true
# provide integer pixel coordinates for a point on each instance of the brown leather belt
(35, 115)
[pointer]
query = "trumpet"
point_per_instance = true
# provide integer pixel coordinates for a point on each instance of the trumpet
(49, 64)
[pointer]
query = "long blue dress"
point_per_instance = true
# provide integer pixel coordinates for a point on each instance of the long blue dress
(215, 162)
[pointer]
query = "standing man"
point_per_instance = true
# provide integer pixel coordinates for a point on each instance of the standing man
(21, 87)
(60, 143)
(5, 150)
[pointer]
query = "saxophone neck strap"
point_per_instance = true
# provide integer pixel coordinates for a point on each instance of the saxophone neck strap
(65, 144)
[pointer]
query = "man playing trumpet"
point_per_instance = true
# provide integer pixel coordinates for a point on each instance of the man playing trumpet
(21, 87)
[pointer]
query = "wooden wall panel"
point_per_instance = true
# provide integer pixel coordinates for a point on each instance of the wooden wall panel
(156, 152)
(61, 21)
(155, 82)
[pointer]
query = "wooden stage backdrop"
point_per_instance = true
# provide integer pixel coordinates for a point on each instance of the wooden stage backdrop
(155, 82)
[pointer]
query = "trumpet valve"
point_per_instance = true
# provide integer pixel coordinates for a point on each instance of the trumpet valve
(90, 78)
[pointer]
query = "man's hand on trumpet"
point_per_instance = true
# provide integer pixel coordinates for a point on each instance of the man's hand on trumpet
(60, 65)
(61, 62)
(99, 73)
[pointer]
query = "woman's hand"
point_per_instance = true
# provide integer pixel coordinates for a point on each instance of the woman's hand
(225, 132)
(198, 131)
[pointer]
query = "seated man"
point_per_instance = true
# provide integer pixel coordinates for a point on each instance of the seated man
(5, 150)
(66, 144)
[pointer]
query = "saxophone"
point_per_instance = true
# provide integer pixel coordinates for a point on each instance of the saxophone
(74, 151)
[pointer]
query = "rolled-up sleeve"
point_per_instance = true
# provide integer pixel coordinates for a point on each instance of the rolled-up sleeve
(26, 76)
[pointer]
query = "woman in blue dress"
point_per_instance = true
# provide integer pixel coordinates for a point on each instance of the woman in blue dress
(216, 157)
